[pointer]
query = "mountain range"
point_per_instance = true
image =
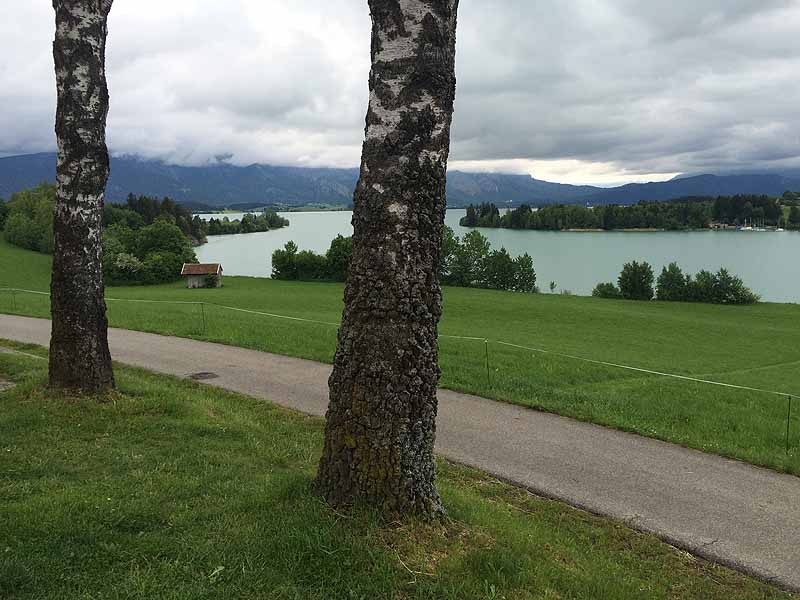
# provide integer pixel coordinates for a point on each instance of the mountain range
(227, 186)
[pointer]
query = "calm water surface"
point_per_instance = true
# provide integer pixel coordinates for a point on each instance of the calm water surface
(767, 261)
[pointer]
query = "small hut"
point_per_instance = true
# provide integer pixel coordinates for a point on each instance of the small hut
(200, 276)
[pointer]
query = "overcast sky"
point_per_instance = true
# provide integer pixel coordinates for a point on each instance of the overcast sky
(576, 91)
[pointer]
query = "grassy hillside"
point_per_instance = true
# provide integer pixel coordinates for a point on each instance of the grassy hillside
(755, 346)
(177, 490)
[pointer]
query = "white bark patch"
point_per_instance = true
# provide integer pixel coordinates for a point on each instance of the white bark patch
(82, 78)
(378, 188)
(434, 155)
(83, 211)
(390, 119)
(399, 48)
(398, 210)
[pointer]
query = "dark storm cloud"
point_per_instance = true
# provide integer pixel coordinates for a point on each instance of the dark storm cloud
(600, 86)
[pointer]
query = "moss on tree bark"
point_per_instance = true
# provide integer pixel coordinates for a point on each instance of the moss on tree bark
(381, 421)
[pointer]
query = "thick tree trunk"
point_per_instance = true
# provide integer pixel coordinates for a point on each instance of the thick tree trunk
(382, 416)
(79, 357)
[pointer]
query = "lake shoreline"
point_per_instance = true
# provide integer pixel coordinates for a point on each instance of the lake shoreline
(576, 262)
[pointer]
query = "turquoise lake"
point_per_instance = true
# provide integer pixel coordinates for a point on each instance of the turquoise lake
(767, 261)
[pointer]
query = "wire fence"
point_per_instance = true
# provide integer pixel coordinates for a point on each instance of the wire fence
(486, 355)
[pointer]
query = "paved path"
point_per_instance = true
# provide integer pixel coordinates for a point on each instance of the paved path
(724, 510)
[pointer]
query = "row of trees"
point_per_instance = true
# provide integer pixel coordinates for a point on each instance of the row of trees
(29, 214)
(485, 214)
(147, 254)
(142, 242)
(290, 263)
(645, 215)
(149, 209)
(637, 282)
(682, 214)
(249, 223)
(735, 210)
(470, 262)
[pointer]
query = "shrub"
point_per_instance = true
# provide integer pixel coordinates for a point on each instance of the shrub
(701, 288)
(730, 289)
(116, 215)
(498, 271)
(163, 236)
(338, 256)
(606, 290)
(469, 260)
(22, 231)
(470, 263)
(123, 268)
(161, 267)
(636, 281)
(153, 254)
(524, 275)
(672, 284)
(283, 262)
(450, 245)
(311, 266)
(29, 223)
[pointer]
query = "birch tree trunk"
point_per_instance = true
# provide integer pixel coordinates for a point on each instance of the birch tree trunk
(79, 357)
(381, 421)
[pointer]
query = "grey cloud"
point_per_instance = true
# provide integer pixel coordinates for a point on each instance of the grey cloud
(653, 87)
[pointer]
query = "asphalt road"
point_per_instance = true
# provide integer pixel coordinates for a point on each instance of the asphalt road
(724, 510)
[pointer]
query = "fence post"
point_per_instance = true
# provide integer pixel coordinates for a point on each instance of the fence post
(788, 422)
(488, 376)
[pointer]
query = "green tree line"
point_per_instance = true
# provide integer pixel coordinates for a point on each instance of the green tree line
(637, 281)
(682, 214)
(470, 262)
(144, 241)
(150, 209)
(148, 254)
(249, 223)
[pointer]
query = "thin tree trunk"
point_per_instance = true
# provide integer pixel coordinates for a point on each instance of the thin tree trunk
(381, 419)
(79, 357)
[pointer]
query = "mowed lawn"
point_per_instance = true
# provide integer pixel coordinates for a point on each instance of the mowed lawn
(171, 489)
(755, 346)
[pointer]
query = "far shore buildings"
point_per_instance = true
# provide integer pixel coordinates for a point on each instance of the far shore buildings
(203, 275)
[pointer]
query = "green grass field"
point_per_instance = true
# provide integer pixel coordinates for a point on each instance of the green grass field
(756, 346)
(171, 489)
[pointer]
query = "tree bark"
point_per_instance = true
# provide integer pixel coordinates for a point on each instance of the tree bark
(381, 421)
(79, 357)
